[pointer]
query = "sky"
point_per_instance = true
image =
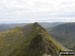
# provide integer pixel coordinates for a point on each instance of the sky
(19, 11)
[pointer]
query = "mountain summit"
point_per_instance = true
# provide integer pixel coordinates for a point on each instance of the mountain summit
(30, 40)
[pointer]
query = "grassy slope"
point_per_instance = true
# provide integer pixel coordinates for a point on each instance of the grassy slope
(10, 40)
(64, 33)
(15, 43)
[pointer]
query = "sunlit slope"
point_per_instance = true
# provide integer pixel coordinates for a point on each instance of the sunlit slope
(30, 40)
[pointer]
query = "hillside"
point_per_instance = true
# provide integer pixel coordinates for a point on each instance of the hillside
(6, 27)
(47, 25)
(64, 33)
(29, 40)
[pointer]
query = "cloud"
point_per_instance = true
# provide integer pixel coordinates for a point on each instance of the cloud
(37, 10)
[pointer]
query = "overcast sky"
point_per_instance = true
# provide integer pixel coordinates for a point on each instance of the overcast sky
(37, 10)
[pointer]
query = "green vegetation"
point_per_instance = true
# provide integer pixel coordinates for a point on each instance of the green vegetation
(64, 33)
(31, 40)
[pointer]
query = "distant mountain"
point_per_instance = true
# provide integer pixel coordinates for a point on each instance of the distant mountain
(29, 40)
(64, 33)
(5, 27)
(47, 25)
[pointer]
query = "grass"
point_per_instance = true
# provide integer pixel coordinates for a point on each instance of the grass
(15, 43)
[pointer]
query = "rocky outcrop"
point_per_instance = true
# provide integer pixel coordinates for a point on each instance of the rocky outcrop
(41, 44)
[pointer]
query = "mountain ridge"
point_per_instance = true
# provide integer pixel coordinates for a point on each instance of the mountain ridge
(31, 40)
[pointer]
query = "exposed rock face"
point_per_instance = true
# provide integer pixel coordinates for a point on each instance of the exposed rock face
(31, 40)
(42, 45)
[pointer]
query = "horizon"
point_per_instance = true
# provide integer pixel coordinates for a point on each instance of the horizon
(31, 22)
